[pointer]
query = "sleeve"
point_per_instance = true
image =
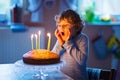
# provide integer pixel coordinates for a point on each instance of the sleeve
(57, 48)
(78, 49)
(83, 50)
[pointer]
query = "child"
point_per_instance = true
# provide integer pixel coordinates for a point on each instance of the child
(71, 45)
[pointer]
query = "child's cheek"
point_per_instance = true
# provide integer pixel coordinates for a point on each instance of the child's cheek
(60, 30)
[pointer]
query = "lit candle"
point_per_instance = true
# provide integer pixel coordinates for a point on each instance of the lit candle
(32, 41)
(39, 32)
(49, 41)
(36, 41)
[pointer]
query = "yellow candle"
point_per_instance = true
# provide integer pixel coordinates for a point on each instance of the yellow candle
(32, 41)
(36, 41)
(39, 33)
(49, 41)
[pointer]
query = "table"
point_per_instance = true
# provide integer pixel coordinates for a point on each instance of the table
(12, 72)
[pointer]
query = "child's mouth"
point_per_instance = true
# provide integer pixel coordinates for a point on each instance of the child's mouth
(62, 33)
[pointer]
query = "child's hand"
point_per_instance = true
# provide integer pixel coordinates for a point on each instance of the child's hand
(59, 37)
(62, 36)
(66, 34)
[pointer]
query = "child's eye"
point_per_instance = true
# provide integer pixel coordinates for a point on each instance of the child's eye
(64, 26)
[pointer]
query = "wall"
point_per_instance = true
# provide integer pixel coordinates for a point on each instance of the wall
(49, 22)
(92, 32)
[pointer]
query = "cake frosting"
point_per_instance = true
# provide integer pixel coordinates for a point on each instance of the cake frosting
(40, 57)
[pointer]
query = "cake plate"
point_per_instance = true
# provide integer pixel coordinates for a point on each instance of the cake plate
(41, 70)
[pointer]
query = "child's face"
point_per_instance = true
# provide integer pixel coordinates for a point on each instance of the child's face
(64, 26)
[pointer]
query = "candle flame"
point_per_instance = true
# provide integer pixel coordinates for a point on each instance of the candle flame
(36, 35)
(32, 36)
(39, 32)
(32, 45)
(48, 34)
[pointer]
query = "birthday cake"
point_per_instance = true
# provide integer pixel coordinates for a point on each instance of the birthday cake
(40, 57)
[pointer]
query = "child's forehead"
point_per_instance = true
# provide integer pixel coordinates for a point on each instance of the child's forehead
(62, 21)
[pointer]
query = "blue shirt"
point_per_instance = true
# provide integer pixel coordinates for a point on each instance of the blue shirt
(75, 54)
